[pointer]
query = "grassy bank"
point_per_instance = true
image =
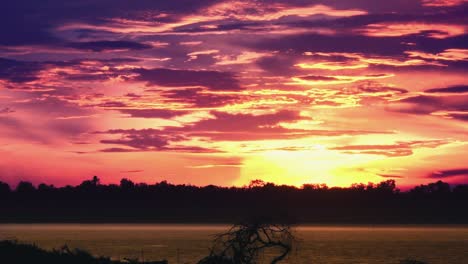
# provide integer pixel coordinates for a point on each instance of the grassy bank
(12, 252)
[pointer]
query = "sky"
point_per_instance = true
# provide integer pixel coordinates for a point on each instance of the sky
(224, 92)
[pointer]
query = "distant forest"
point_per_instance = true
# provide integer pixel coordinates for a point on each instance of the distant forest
(91, 201)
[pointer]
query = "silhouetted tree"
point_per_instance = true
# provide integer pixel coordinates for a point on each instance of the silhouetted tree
(461, 189)
(25, 187)
(388, 186)
(126, 184)
(244, 243)
(90, 184)
(257, 183)
(44, 187)
(4, 188)
(361, 203)
(439, 187)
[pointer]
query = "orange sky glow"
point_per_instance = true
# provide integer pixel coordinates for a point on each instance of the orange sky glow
(225, 92)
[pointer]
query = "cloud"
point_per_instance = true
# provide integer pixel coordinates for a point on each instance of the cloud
(323, 43)
(399, 149)
(140, 141)
(111, 104)
(336, 61)
(447, 106)
(98, 46)
(52, 107)
(213, 80)
(245, 57)
(150, 140)
(336, 79)
(452, 89)
(246, 122)
(28, 22)
(19, 71)
(352, 43)
(442, 3)
(459, 116)
(390, 176)
(432, 30)
(132, 171)
(444, 56)
(194, 55)
(6, 110)
(198, 97)
(248, 127)
(449, 173)
(153, 113)
(257, 11)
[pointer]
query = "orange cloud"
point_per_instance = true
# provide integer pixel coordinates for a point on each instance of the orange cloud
(245, 10)
(243, 58)
(360, 61)
(396, 150)
(335, 79)
(433, 30)
(442, 3)
(447, 55)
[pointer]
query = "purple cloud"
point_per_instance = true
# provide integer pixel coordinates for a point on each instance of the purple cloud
(98, 46)
(213, 80)
(449, 173)
(452, 89)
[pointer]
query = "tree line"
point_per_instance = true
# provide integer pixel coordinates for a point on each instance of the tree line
(92, 201)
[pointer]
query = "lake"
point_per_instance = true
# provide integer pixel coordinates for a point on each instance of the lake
(182, 244)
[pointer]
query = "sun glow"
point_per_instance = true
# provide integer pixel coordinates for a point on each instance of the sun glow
(318, 165)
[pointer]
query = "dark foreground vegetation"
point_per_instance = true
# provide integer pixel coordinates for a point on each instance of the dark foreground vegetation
(92, 201)
(12, 252)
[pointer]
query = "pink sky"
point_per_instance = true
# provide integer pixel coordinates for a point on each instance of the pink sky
(224, 92)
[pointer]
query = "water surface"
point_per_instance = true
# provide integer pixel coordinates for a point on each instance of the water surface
(182, 244)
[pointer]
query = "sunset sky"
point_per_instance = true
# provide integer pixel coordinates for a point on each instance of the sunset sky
(224, 92)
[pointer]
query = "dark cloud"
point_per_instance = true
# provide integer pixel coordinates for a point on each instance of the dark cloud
(449, 173)
(111, 104)
(281, 64)
(140, 141)
(352, 43)
(197, 97)
(153, 113)
(225, 122)
(423, 104)
(28, 22)
(462, 117)
(150, 140)
(132, 171)
(373, 88)
(19, 71)
(452, 89)
(390, 176)
(109, 45)
(325, 43)
(52, 106)
(317, 78)
(118, 150)
(213, 80)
